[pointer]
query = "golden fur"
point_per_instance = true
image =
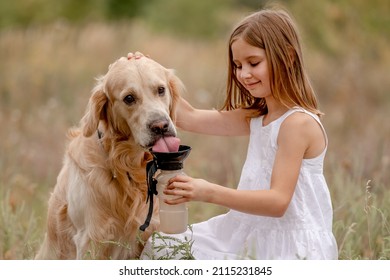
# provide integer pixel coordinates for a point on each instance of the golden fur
(99, 200)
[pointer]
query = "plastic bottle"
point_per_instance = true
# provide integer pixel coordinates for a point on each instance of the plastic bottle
(173, 218)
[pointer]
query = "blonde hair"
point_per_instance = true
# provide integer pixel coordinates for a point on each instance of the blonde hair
(275, 32)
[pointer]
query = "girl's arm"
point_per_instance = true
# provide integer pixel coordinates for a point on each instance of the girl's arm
(271, 202)
(298, 135)
(212, 122)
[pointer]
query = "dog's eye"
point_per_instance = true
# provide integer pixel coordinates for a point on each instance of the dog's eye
(129, 99)
(161, 91)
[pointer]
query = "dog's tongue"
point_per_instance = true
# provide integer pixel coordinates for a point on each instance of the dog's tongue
(166, 145)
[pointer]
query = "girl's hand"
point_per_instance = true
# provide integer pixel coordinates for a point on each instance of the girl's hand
(187, 189)
(136, 55)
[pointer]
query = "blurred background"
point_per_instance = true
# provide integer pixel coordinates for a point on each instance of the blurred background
(51, 51)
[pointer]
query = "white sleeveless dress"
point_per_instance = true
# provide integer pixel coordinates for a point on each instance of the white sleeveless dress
(305, 230)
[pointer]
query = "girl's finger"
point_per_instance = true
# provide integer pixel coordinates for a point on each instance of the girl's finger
(176, 191)
(178, 186)
(179, 178)
(176, 201)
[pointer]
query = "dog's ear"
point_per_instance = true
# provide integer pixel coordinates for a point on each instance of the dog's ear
(177, 89)
(95, 110)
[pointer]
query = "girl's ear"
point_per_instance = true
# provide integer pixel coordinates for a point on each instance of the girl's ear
(176, 88)
(95, 110)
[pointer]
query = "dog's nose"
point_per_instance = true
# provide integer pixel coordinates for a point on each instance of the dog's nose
(159, 127)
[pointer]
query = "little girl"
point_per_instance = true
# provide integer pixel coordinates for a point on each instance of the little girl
(281, 208)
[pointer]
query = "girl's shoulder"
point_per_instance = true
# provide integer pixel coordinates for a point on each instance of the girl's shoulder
(298, 117)
(297, 122)
(304, 128)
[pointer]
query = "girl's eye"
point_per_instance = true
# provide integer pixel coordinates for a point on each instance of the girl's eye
(237, 66)
(129, 99)
(254, 64)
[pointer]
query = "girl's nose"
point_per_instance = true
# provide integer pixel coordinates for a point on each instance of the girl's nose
(245, 73)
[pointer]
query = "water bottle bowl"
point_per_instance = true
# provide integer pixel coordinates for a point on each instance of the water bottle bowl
(173, 218)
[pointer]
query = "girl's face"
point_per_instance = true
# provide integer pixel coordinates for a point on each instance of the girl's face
(251, 68)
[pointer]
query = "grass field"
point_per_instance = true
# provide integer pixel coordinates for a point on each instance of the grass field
(46, 74)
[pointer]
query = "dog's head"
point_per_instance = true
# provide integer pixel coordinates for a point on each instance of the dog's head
(135, 100)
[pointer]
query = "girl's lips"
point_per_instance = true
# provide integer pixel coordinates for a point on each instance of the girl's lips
(250, 85)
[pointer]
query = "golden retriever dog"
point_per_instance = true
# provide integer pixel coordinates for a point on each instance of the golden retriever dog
(99, 201)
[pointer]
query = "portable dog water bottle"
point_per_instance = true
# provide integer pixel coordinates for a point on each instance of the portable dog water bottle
(173, 218)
